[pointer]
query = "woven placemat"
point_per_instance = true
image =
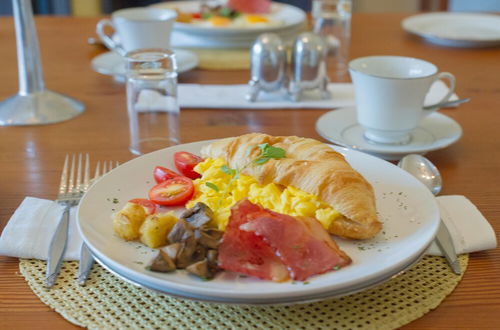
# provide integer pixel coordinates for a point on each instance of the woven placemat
(109, 302)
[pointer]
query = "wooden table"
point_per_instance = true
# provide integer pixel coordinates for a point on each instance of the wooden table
(31, 157)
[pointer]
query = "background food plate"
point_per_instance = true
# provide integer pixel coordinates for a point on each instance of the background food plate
(291, 17)
(407, 209)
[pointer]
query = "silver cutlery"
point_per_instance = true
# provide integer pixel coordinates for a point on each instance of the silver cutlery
(447, 104)
(71, 189)
(75, 181)
(424, 171)
(86, 258)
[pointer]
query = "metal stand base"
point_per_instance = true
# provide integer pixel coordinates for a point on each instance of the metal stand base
(45, 107)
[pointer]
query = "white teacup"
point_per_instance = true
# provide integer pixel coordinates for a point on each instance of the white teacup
(138, 28)
(390, 93)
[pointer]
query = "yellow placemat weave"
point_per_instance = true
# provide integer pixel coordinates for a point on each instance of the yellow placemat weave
(108, 302)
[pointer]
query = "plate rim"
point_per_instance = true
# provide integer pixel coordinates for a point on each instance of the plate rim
(294, 300)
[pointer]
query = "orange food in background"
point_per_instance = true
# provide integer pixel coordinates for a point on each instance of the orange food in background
(219, 21)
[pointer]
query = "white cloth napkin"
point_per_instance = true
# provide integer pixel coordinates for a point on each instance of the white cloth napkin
(30, 229)
(234, 97)
(469, 229)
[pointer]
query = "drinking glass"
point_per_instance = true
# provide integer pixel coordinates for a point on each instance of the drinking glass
(332, 20)
(152, 104)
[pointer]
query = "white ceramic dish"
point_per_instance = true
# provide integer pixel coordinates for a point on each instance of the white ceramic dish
(290, 16)
(408, 210)
(434, 132)
(455, 29)
(113, 64)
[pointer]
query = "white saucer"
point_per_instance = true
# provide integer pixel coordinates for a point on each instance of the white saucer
(113, 64)
(435, 131)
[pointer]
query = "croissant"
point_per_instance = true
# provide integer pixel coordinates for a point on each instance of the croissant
(310, 166)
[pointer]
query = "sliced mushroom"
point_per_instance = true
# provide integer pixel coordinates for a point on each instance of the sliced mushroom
(209, 237)
(172, 250)
(180, 232)
(185, 254)
(162, 263)
(212, 258)
(201, 269)
(198, 215)
(200, 253)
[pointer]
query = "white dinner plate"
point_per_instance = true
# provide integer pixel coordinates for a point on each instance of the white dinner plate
(456, 29)
(290, 16)
(407, 209)
(113, 64)
(436, 131)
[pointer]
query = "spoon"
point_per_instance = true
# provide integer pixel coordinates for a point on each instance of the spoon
(447, 104)
(427, 173)
(422, 169)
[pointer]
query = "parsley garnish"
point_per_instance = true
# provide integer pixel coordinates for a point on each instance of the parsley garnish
(267, 152)
(212, 186)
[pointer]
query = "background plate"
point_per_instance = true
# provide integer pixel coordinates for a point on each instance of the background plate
(407, 209)
(456, 29)
(291, 17)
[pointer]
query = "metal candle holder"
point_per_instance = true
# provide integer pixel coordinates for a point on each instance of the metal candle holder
(33, 104)
(268, 65)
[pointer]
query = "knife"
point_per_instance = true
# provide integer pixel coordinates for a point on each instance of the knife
(85, 265)
(445, 244)
(57, 249)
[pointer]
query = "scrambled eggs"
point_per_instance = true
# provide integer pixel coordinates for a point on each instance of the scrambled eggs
(216, 189)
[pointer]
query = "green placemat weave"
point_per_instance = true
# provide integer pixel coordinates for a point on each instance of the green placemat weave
(109, 302)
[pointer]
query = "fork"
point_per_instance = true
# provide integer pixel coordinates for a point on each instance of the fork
(71, 190)
(86, 258)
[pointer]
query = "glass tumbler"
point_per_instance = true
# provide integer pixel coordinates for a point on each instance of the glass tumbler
(332, 20)
(152, 105)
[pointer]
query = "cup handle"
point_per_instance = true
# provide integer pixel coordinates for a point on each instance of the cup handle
(105, 38)
(451, 79)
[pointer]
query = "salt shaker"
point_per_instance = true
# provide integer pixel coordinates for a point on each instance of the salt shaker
(268, 64)
(309, 66)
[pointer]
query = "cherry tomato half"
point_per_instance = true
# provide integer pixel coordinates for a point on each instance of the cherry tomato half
(148, 205)
(185, 162)
(163, 174)
(175, 191)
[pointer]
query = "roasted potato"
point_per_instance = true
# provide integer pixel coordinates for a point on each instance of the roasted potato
(127, 221)
(155, 229)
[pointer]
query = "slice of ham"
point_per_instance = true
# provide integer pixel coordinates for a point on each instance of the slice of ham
(245, 252)
(274, 246)
(302, 244)
(250, 6)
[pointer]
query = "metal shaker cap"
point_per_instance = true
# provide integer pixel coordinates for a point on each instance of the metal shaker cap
(268, 62)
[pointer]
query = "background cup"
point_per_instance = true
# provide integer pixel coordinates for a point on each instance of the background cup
(137, 28)
(390, 93)
(152, 105)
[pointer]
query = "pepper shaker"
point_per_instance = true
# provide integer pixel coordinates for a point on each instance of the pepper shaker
(309, 66)
(268, 62)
